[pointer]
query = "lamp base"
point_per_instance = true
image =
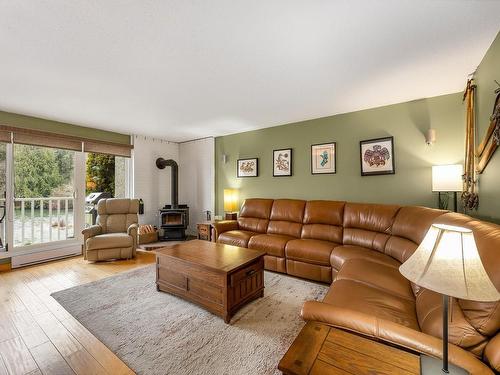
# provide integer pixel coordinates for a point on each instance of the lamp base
(434, 366)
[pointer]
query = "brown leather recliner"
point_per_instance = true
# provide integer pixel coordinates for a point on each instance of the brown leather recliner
(360, 247)
(115, 235)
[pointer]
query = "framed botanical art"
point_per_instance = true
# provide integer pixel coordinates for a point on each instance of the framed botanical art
(377, 156)
(282, 162)
(324, 158)
(248, 167)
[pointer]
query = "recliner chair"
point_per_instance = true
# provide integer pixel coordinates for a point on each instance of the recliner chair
(115, 234)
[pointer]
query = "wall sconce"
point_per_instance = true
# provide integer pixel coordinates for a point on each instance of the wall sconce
(224, 158)
(430, 137)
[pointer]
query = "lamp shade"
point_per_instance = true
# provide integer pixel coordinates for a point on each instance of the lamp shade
(230, 200)
(447, 262)
(447, 177)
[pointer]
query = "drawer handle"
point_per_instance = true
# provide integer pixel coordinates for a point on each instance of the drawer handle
(250, 272)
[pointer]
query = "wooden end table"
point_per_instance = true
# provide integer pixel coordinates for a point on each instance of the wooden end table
(321, 349)
(220, 278)
(205, 230)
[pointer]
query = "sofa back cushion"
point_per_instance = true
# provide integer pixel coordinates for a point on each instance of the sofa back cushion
(323, 220)
(254, 215)
(409, 229)
(368, 225)
(286, 217)
(429, 306)
(115, 215)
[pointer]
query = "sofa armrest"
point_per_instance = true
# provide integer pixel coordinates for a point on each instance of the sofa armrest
(224, 226)
(132, 231)
(392, 333)
(91, 231)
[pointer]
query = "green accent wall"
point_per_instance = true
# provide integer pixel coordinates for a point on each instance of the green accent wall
(406, 122)
(489, 181)
(28, 122)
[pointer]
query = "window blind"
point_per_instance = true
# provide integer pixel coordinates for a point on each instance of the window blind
(47, 139)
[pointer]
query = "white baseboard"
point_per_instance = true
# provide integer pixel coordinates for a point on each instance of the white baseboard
(45, 256)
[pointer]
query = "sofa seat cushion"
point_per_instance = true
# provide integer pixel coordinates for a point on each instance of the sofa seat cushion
(341, 254)
(109, 241)
(363, 298)
(273, 244)
(236, 237)
(310, 251)
(377, 275)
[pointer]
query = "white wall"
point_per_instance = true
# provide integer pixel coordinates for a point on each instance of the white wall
(197, 179)
(150, 183)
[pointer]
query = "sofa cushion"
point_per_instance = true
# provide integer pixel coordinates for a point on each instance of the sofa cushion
(409, 229)
(272, 244)
(360, 297)
(254, 215)
(310, 251)
(236, 237)
(286, 217)
(342, 253)
(368, 225)
(291, 210)
(429, 307)
(109, 241)
(323, 220)
(377, 275)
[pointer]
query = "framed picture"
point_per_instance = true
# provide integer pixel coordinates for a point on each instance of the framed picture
(377, 156)
(324, 158)
(248, 167)
(282, 162)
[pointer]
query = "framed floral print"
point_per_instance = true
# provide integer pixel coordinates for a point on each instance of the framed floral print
(248, 167)
(282, 162)
(324, 158)
(377, 156)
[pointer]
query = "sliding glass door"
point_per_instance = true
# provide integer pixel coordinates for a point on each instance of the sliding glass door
(44, 195)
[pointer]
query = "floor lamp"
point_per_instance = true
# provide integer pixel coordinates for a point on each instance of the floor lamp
(447, 262)
(447, 178)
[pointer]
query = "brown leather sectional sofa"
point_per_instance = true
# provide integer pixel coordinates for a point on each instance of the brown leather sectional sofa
(358, 249)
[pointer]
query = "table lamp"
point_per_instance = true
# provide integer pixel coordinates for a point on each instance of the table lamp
(230, 204)
(447, 178)
(447, 262)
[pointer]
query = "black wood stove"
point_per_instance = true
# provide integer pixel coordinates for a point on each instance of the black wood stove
(174, 217)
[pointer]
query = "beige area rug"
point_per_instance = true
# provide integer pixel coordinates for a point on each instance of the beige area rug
(157, 333)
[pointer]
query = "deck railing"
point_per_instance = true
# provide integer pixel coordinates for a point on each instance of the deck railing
(38, 220)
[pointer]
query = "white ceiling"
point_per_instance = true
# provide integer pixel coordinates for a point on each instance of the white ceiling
(184, 69)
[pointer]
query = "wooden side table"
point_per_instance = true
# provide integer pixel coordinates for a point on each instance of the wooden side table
(205, 230)
(320, 349)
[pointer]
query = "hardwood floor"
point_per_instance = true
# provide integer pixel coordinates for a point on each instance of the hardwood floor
(37, 336)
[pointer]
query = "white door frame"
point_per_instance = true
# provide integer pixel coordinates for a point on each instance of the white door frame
(78, 209)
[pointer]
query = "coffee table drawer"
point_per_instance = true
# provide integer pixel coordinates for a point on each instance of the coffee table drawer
(246, 272)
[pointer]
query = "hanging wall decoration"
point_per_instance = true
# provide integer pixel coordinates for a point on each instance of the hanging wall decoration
(377, 156)
(282, 162)
(470, 199)
(247, 167)
(324, 158)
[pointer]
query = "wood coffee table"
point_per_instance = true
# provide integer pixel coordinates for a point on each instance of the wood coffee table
(221, 278)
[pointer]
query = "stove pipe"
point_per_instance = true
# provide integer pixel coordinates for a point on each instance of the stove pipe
(174, 168)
